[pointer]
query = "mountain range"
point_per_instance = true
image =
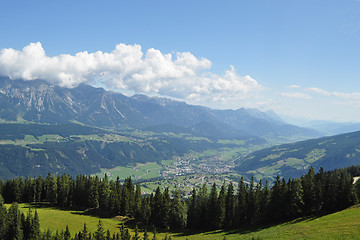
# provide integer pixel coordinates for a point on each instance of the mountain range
(45, 128)
(39, 102)
(329, 128)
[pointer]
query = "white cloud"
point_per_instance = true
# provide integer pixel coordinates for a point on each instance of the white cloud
(298, 95)
(353, 97)
(350, 97)
(127, 67)
(320, 91)
(294, 86)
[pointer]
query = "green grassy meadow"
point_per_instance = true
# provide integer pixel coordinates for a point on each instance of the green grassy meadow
(140, 171)
(57, 219)
(341, 225)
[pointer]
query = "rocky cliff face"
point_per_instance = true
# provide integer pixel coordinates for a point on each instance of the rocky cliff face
(38, 101)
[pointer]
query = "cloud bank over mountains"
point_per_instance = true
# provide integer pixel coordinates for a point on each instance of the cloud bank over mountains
(183, 76)
(128, 67)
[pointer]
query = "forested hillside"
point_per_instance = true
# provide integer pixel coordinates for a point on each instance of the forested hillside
(293, 159)
(250, 205)
(35, 149)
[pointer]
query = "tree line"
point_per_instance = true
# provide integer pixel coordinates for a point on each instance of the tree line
(254, 204)
(215, 208)
(15, 225)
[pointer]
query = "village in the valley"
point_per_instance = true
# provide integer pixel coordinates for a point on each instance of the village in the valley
(188, 172)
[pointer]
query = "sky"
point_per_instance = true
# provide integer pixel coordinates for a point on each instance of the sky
(299, 58)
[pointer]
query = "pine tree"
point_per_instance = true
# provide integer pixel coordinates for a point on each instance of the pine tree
(67, 234)
(137, 202)
(93, 193)
(330, 192)
(221, 208)
(128, 197)
(125, 202)
(81, 193)
(117, 196)
(47, 235)
(251, 203)
(308, 184)
(241, 203)
(84, 233)
(146, 236)
(264, 202)
(63, 190)
(357, 188)
(108, 235)
(100, 232)
(122, 231)
(35, 226)
(177, 214)
(157, 211)
(127, 234)
(112, 201)
(116, 236)
(57, 236)
(203, 207)
(51, 188)
(39, 189)
(12, 190)
(346, 194)
(146, 210)
(154, 236)
(136, 234)
(26, 224)
(14, 230)
(104, 192)
(229, 206)
(28, 194)
(296, 202)
(212, 214)
(165, 210)
(3, 218)
(192, 216)
(276, 200)
(320, 179)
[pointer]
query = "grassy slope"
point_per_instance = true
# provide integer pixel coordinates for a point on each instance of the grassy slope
(141, 171)
(55, 219)
(340, 225)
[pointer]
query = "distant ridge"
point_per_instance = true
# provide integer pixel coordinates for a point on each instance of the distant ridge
(294, 159)
(37, 101)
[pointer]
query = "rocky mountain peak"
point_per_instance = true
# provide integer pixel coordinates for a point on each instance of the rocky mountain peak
(38, 101)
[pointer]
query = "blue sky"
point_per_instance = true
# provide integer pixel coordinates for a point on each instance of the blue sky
(298, 58)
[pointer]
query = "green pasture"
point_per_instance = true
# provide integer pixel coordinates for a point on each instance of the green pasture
(56, 219)
(340, 225)
(170, 162)
(140, 171)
